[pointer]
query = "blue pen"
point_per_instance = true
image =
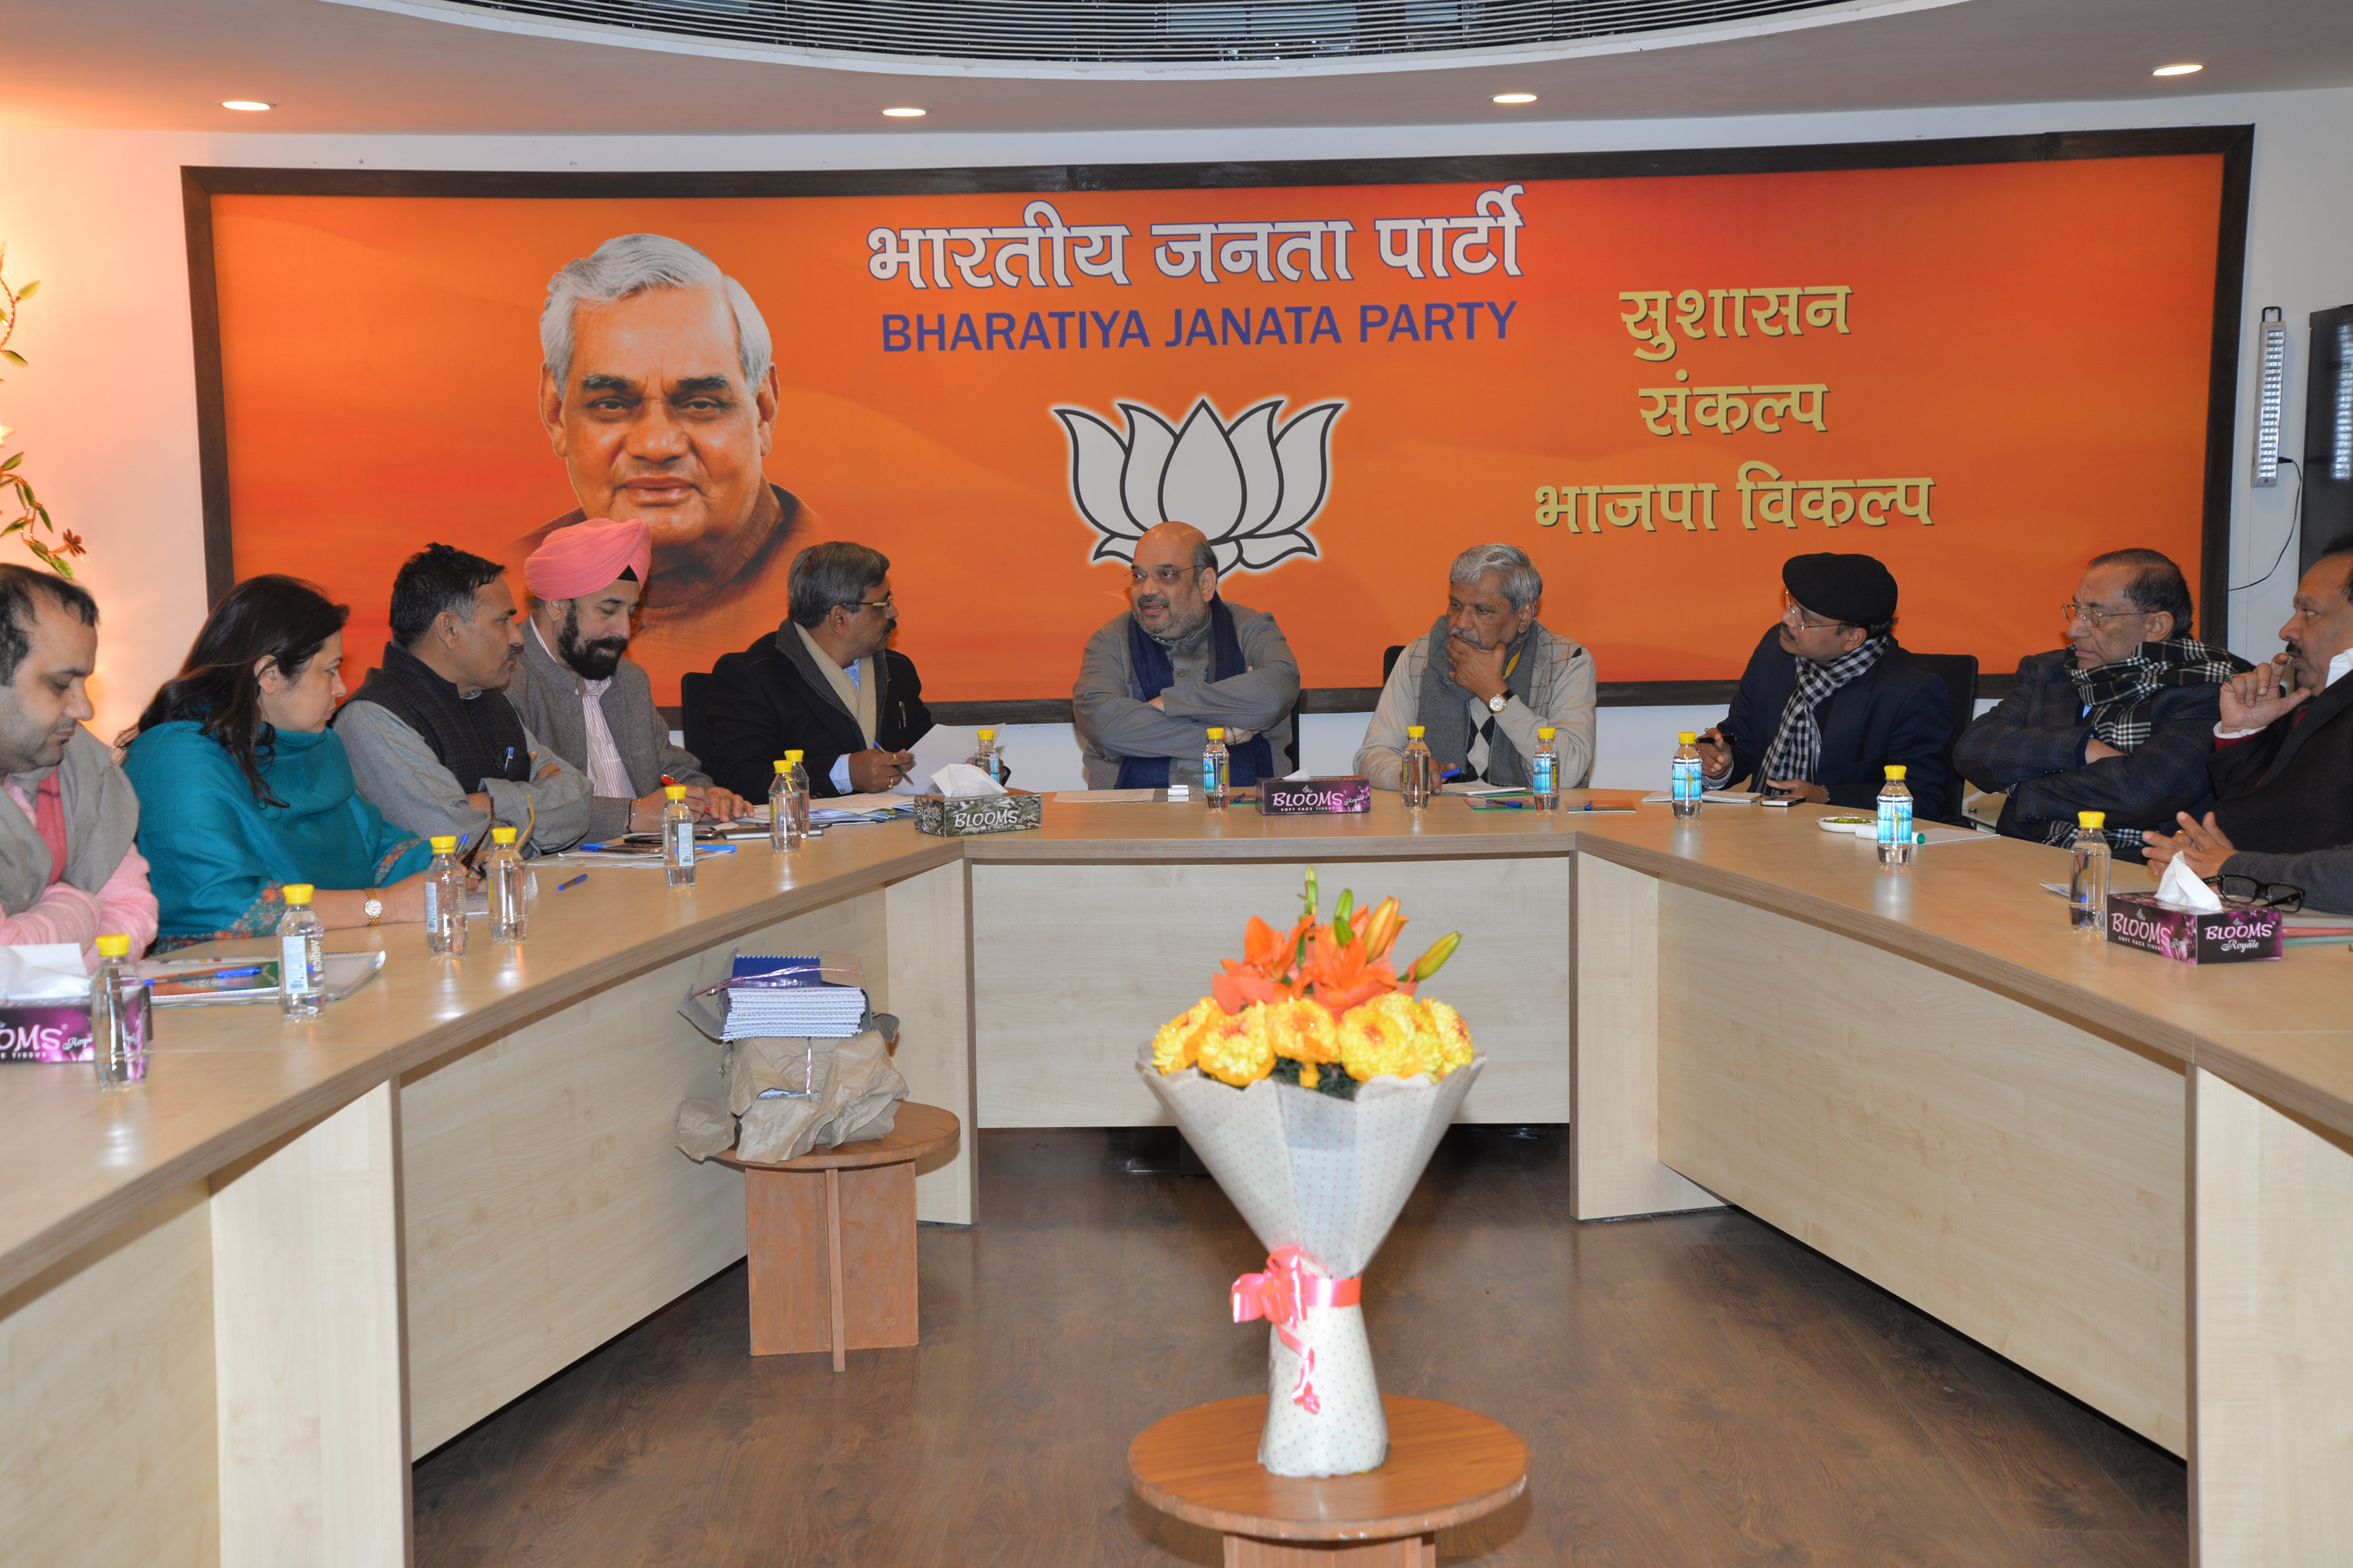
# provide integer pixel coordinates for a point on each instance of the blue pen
(233, 973)
(573, 883)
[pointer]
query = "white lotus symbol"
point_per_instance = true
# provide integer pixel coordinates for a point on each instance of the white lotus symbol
(1251, 489)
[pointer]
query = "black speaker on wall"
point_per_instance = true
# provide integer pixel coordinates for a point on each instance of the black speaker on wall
(2327, 435)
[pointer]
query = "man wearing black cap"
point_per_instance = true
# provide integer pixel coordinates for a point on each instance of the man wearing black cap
(1830, 701)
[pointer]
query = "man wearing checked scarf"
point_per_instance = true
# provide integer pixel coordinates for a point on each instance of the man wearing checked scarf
(2121, 720)
(1830, 701)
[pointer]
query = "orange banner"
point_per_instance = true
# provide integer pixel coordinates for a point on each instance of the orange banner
(1661, 387)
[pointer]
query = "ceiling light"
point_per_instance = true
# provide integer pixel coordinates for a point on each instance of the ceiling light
(905, 113)
(2190, 69)
(1515, 98)
(250, 105)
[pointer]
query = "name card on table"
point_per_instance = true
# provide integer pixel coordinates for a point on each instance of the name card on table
(1305, 797)
(2195, 936)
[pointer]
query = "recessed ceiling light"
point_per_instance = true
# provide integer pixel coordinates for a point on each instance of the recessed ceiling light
(1515, 98)
(905, 113)
(249, 105)
(2178, 70)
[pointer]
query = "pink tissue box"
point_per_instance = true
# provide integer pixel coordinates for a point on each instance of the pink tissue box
(1306, 797)
(2226, 936)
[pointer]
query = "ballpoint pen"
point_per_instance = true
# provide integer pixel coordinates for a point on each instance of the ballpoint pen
(573, 883)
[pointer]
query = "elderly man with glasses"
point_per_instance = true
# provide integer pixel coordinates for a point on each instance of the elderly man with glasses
(1483, 679)
(2121, 720)
(1180, 659)
(827, 684)
(1830, 701)
(2282, 754)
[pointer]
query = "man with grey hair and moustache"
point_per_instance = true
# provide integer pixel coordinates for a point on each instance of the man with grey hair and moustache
(1483, 679)
(1181, 660)
(659, 390)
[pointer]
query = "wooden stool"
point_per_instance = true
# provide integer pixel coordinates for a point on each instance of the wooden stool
(860, 1199)
(1445, 1467)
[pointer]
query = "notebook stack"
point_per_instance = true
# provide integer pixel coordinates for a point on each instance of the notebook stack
(804, 996)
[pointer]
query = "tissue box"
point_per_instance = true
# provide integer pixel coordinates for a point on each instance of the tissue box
(1303, 797)
(962, 816)
(2195, 936)
(58, 1031)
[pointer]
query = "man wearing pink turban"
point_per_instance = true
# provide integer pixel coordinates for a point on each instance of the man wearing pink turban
(588, 703)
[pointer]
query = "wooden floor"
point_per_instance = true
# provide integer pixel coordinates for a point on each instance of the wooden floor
(1695, 1390)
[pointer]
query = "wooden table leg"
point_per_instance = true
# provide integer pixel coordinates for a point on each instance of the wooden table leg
(1409, 1551)
(833, 1263)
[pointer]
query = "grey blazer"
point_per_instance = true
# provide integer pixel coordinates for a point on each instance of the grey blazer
(546, 692)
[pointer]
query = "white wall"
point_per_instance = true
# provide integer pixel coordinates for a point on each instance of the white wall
(106, 411)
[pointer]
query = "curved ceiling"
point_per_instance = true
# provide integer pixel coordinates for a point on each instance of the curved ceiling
(383, 67)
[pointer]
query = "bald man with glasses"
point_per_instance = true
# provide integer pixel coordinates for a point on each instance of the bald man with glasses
(1180, 659)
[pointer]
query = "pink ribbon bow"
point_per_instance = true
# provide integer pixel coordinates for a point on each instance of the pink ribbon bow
(1281, 1296)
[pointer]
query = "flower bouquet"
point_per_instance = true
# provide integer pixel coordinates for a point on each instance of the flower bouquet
(1314, 1084)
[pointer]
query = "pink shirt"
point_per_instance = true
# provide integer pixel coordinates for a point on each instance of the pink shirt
(66, 913)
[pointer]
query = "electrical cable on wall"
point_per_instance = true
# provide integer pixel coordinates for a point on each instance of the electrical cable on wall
(2294, 526)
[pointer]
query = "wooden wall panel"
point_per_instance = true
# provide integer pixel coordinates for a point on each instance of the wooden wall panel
(2274, 1355)
(306, 1324)
(2020, 1178)
(1075, 967)
(547, 1208)
(107, 1438)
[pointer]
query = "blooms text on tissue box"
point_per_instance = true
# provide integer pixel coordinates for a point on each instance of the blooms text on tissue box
(2194, 936)
(42, 1032)
(1300, 797)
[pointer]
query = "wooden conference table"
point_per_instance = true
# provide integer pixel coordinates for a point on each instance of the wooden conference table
(237, 1301)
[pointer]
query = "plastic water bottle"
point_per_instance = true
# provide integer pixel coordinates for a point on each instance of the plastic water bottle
(302, 955)
(788, 804)
(1217, 772)
(445, 900)
(1419, 769)
(2087, 874)
(118, 1017)
(986, 757)
(1544, 771)
(1894, 820)
(504, 870)
(1685, 785)
(677, 837)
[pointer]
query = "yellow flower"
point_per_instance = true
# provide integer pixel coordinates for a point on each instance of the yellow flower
(1177, 1045)
(1303, 1031)
(1445, 1039)
(1375, 1043)
(1233, 1047)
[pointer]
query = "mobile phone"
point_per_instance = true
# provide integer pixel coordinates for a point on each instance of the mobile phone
(1783, 801)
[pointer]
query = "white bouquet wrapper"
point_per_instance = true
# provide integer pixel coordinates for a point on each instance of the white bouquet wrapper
(1327, 1177)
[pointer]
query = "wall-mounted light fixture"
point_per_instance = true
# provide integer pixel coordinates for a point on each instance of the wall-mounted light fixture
(2271, 394)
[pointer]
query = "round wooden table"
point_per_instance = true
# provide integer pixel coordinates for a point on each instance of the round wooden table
(1445, 1467)
(861, 1200)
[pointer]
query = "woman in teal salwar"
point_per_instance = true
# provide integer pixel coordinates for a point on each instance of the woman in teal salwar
(243, 789)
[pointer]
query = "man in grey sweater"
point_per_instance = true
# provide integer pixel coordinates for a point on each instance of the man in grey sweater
(1154, 679)
(576, 688)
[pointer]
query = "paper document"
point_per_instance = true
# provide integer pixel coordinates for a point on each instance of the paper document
(1712, 798)
(1112, 797)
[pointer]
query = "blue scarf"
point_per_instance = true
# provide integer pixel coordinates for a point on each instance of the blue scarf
(1150, 674)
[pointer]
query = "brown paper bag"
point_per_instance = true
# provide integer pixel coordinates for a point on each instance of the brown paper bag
(704, 1128)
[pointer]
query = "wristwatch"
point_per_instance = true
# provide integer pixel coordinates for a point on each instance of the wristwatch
(374, 905)
(1498, 703)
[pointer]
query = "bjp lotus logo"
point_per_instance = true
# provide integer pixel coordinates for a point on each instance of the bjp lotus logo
(1251, 487)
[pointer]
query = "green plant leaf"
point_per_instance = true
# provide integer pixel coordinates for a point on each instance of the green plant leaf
(12, 462)
(28, 290)
(12, 356)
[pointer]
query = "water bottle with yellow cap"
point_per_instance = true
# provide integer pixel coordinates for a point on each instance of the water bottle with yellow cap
(301, 954)
(1419, 769)
(788, 804)
(1895, 819)
(677, 837)
(2087, 874)
(1217, 771)
(504, 871)
(118, 1016)
(445, 899)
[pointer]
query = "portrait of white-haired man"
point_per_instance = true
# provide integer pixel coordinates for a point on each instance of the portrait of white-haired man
(659, 390)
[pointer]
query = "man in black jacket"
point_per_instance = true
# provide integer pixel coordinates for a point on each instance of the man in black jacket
(2120, 721)
(826, 684)
(1830, 701)
(2282, 763)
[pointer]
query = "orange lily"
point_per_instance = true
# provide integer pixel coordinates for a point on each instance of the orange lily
(1343, 974)
(1382, 928)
